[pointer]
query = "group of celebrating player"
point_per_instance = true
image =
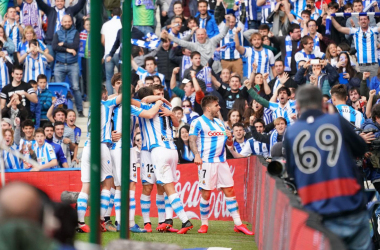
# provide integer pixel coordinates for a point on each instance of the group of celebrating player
(159, 159)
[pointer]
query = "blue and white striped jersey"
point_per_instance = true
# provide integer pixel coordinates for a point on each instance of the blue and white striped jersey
(351, 115)
(157, 131)
(253, 147)
(263, 58)
(187, 154)
(211, 138)
(4, 75)
(230, 52)
(286, 111)
(202, 22)
(239, 146)
(253, 11)
(266, 9)
(302, 56)
(315, 14)
(143, 73)
(10, 160)
(106, 115)
(23, 47)
(365, 44)
(179, 35)
(45, 153)
(268, 116)
(299, 6)
(13, 32)
(34, 67)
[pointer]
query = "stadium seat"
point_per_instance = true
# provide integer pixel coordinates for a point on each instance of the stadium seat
(62, 88)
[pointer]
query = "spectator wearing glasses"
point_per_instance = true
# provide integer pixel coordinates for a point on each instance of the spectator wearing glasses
(188, 114)
(308, 51)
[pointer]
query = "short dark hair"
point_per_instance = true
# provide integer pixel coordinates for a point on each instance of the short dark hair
(344, 46)
(34, 42)
(175, 109)
(194, 53)
(144, 92)
(375, 112)
(354, 89)
(340, 91)
(17, 67)
(41, 77)
(48, 125)
(177, 2)
(27, 123)
(357, 1)
(208, 100)
(259, 121)
(305, 39)
(135, 51)
(157, 87)
(292, 27)
(334, 5)
(59, 110)
(150, 58)
(39, 130)
(58, 124)
(286, 89)
(347, 6)
(279, 60)
(311, 20)
(149, 78)
(307, 12)
(238, 124)
(202, 1)
(32, 82)
(116, 11)
(116, 77)
(193, 19)
(264, 27)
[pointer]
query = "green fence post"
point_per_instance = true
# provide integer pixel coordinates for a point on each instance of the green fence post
(95, 76)
(126, 120)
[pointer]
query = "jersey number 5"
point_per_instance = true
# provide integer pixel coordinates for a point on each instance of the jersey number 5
(308, 158)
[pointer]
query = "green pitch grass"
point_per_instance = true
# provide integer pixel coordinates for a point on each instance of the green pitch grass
(220, 234)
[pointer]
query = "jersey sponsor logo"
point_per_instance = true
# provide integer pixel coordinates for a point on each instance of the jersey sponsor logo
(216, 133)
(191, 129)
(163, 138)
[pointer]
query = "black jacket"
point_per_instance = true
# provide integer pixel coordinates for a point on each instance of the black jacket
(164, 64)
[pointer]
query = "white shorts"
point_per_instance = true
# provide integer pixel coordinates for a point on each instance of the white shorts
(215, 175)
(147, 168)
(165, 161)
(116, 161)
(106, 163)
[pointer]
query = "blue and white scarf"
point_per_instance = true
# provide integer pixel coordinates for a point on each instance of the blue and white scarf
(186, 63)
(60, 14)
(192, 98)
(273, 139)
(288, 57)
(153, 42)
(205, 75)
(149, 5)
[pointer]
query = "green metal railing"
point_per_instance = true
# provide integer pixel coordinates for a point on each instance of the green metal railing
(95, 76)
(126, 114)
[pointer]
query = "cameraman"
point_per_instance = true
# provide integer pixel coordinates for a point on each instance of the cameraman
(320, 151)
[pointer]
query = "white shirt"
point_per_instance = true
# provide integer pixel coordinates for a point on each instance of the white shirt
(109, 30)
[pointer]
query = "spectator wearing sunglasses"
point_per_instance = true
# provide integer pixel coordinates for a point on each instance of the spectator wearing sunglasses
(188, 114)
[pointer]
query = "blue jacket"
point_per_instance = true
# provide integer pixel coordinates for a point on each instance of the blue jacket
(327, 179)
(369, 124)
(211, 26)
(58, 152)
(44, 98)
(35, 109)
(70, 39)
(371, 173)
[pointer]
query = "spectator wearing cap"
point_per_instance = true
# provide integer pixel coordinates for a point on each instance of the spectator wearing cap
(192, 92)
